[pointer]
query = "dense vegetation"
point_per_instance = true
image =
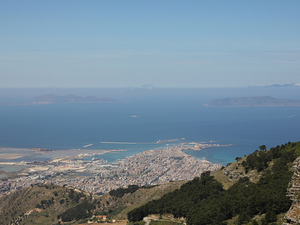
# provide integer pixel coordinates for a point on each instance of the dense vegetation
(259, 160)
(204, 201)
(80, 211)
(120, 192)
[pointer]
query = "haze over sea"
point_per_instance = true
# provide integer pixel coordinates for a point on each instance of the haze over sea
(147, 116)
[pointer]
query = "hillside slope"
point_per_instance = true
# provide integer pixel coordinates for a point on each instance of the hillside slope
(260, 182)
(49, 204)
(293, 215)
(45, 204)
(119, 207)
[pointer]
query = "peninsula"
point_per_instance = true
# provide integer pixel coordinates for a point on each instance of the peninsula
(251, 101)
(150, 167)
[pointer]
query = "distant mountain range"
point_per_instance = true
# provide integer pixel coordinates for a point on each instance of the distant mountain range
(251, 101)
(292, 85)
(285, 85)
(51, 99)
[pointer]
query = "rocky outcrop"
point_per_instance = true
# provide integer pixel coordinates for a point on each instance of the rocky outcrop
(233, 174)
(293, 191)
(236, 171)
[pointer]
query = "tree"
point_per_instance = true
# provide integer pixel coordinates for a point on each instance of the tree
(254, 222)
(262, 147)
(270, 216)
(243, 218)
(264, 221)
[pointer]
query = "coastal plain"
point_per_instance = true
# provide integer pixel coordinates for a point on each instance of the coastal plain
(86, 170)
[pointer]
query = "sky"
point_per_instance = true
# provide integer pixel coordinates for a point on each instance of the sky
(165, 43)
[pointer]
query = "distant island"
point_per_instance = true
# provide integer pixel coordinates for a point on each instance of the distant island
(291, 85)
(251, 101)
(55, 99)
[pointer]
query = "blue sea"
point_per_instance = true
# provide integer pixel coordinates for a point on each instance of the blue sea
(138, 123)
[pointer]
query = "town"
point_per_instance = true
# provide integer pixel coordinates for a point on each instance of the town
(99, 177)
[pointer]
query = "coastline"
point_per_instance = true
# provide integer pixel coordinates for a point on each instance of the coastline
(12, 160)
(14, 154)
(150, 167)
(18, 153)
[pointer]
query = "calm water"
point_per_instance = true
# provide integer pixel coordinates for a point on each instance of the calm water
(70, 126)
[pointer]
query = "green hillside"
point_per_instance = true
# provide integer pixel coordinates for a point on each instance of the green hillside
(205, 201)
(51, 204)
(47, 204)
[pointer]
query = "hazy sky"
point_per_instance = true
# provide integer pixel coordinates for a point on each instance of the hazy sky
(167, 43)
